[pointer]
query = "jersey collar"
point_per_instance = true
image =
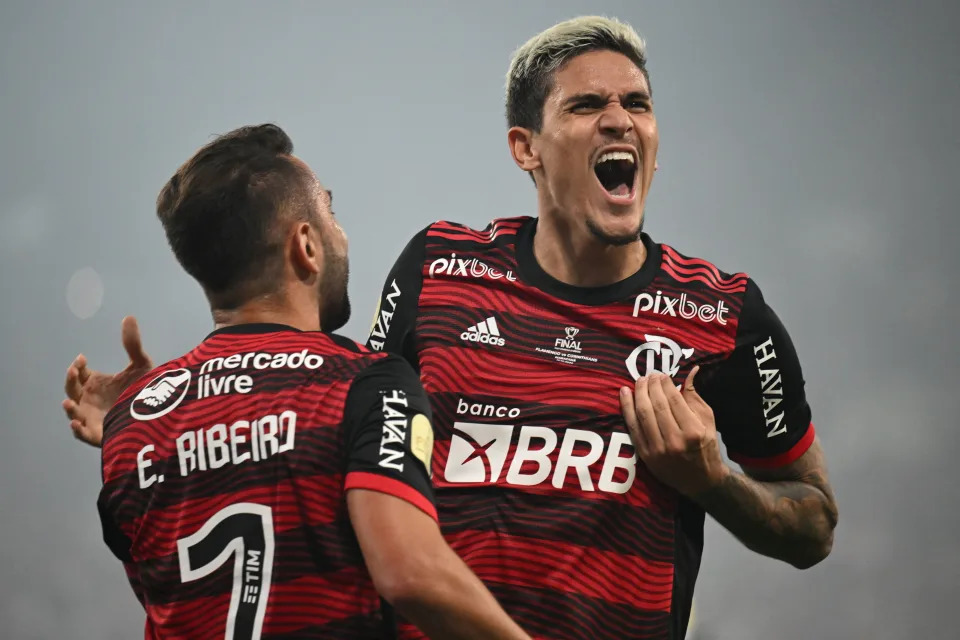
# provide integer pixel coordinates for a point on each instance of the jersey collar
(532, 273)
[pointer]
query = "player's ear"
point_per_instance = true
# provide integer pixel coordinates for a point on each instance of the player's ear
(522, 148)
(305, 248)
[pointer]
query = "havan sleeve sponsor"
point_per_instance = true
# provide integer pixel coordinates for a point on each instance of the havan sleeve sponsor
(757, 394)
(388, 432)
(396, 314)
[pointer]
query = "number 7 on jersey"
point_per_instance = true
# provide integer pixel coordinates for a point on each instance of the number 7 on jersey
(244, 531)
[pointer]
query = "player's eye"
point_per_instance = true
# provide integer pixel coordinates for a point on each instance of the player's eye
(637, 106)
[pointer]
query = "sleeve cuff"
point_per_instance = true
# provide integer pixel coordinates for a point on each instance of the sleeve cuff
(781, 460)
(395, 488)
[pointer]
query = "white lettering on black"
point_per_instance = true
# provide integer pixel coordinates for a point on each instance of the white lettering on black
(394, 431)
(382, 324)
(771, 388)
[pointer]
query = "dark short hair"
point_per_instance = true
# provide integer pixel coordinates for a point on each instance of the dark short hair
(221, 210)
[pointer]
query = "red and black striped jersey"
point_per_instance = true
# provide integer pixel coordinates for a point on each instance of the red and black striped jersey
(538, 486)
(224, 473)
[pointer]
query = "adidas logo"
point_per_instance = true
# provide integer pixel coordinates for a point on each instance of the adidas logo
(485, 332)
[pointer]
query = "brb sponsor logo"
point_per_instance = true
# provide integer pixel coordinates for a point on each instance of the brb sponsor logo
(485, 332)
(657, 354)
(467, 268)
(479, 454)
(682, 306)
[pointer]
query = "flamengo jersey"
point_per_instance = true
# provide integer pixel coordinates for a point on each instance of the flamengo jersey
(224, 474)
(538, 486)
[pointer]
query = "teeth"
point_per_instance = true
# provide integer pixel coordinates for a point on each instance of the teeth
(616, 155)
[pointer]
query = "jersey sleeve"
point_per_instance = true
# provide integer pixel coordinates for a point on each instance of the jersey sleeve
(392, 330)
(757, 394)
(388, 431)
(110, 499)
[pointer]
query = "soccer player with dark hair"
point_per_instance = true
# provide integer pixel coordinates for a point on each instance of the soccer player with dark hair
(572, 473)
(274, 481)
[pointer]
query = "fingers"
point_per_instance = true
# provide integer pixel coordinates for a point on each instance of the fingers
(83, 434)
(72, 409)
(646, 415)
(78, 424)
(658, 390)
(73, 384)
(629, 409)
(697, 404)
(130, 334)
(688, 422)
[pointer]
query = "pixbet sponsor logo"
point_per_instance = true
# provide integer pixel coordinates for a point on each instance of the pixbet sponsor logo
(682, 307)
(657, 354)
(479, 455)
(467, 268)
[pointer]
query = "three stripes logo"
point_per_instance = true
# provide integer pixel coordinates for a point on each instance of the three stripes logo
(485, 332)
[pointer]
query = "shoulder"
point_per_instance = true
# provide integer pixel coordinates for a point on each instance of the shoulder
(686, 268)
(497, 232)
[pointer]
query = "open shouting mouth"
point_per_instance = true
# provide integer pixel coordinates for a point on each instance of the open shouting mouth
(616, 171)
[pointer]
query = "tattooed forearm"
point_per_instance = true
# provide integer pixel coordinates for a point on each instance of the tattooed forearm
(788, 514)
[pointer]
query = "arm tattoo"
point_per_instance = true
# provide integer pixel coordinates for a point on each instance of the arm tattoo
(786, 513)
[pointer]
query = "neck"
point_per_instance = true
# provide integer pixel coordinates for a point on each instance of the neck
(270, 309)
(575, 257)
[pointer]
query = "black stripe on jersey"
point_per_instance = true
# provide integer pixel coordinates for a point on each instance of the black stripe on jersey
(351, 345)
(354, 628)
(566, 616)
(570, 521)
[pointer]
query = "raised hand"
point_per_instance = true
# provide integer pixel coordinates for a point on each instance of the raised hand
(90, 394)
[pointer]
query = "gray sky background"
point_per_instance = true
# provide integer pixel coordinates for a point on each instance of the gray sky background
(813, 144)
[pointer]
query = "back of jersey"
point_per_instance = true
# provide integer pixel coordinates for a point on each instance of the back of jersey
(224, 475)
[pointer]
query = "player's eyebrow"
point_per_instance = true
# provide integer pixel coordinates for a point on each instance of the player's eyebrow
(329, 196)
(593, 98)
(587, 97)
(638, 95)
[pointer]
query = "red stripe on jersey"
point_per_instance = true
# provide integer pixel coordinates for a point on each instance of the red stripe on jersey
(502, 223)
(543, 564)
(395, 488)
(677, 265)
(680, 260)
(703, 280)
(785, 458)
(328, 598)
(444, 229)
(687, 275)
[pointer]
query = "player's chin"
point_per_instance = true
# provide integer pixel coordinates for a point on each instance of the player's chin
(616, 228)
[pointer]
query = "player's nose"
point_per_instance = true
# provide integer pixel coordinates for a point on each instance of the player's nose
(615, 121)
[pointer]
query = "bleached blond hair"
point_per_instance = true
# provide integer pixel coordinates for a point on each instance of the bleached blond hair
(530, 77)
